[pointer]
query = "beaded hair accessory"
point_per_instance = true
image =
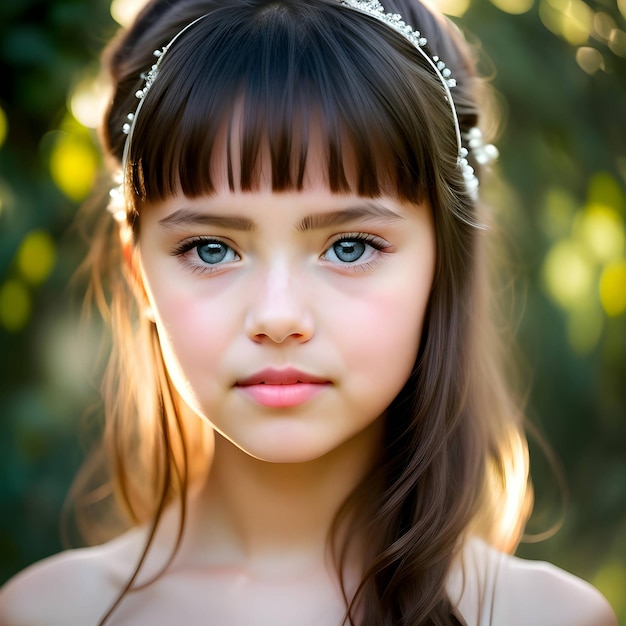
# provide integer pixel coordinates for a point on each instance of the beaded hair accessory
(373, 8)
(483, 153)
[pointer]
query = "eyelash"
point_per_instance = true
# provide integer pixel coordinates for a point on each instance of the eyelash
(379, 245)
(183, 248)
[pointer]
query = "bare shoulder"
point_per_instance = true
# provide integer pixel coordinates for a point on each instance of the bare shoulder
(527, 593)
(73, 587)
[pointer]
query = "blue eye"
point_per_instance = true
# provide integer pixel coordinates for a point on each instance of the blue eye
(355, 249)
(204, 255)
(214, 252)
(349, 251)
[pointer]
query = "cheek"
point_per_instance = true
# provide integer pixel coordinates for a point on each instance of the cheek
(193, 332)
(380, 340)
(381, 321)
(192, 314)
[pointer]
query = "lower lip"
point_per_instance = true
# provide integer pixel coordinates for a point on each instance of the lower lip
(283, 396)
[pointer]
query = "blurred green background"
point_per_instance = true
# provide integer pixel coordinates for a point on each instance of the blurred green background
(559, 67)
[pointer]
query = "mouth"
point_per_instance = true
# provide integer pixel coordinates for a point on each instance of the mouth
(283, 388)
(287, 376)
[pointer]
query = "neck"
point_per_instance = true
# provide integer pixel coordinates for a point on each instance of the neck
(254, 511)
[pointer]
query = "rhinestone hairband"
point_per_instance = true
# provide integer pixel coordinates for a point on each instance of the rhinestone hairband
(482, 152)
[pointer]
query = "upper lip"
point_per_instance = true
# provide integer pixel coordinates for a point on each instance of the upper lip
(286, 376)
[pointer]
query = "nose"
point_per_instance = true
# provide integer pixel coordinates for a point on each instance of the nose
(279, 310)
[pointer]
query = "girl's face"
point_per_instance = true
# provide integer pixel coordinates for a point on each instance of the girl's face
(290, 321)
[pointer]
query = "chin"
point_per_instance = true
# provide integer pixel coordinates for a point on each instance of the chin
(288, 451)
(286, 441)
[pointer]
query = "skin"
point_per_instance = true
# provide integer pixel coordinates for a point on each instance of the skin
(281, 298)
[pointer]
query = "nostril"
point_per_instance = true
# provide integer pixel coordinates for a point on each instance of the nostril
(276, 326)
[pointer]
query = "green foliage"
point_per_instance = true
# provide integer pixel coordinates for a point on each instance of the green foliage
(45, 49)
(561, 84)
(563, 155)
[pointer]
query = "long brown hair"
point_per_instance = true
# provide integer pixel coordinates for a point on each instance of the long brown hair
(454, 459)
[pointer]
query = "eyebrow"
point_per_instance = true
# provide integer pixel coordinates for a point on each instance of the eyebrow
(368, 210)
(316, 221)
(188, 217)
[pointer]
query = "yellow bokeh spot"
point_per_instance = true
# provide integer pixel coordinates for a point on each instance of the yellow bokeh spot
(603, 24)
(613, 288)
(589, 60)
(4, 126)
(88, 101)
(124, 11)
(515, 7)
(15, 306)
(611, 581)
(568, 274)
(617, 42)
(604, 189)
(570, 19)
(601, 229)
(73, 166)
(584, 329)
(456, 8)
(36, 256)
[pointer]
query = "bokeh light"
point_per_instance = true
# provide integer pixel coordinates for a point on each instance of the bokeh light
(589, 60)
(568, 274)
(455, 8)
(603, 24)
(570, 19)
(584, 270)
(124, 11)
(617, 42)
(611, 580)
(3, 126)
(606, 190)
(36, 256)
(613, 288)
(515, 7)
(88, 101)
(15, 306)
(601, 229)
(73, 165)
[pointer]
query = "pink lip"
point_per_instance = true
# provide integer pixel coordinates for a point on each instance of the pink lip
(282, 388)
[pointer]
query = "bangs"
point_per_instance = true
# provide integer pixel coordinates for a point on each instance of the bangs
(260, 86)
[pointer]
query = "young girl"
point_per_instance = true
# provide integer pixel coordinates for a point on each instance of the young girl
(306, 418)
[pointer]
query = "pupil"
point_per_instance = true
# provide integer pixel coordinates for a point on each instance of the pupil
(212, 252)
(348, 251)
